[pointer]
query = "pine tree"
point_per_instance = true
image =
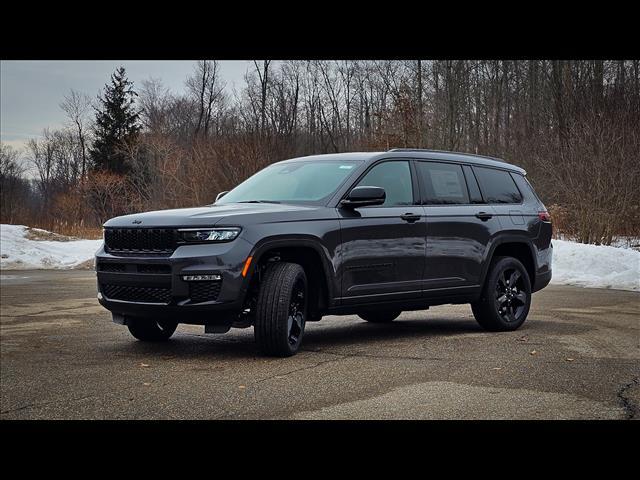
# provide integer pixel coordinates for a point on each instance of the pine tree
(116, 124)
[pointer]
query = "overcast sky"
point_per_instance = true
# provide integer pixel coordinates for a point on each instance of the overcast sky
(31, 91)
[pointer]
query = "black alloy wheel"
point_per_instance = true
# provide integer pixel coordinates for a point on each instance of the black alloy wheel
(506, 296)
(511, 297)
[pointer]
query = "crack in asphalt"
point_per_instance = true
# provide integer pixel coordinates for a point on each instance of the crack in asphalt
(340, 356)
(369, 355)
(38, 405)
(308, 367)
(76, 399)
(630, 408)
(53, 310)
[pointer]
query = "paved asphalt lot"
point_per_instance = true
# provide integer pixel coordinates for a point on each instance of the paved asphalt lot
(576, 357)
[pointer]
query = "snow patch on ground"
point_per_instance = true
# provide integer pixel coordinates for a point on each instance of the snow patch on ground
(597, 266)
(574, 263)
(17, 252)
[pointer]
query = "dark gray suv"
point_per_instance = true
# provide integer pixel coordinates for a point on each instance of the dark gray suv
(371, 234)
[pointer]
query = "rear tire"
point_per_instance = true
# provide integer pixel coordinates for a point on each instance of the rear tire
(506, 296)
(149, 330)
(384, 316)
(281, 310)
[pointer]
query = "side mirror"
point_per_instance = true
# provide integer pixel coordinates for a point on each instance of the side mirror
(364, 196)
(221, 194)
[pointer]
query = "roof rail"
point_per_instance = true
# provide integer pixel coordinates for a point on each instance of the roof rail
(409, 150)
(444, 151)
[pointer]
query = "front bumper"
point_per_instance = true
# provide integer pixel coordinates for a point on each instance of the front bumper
(143, 285)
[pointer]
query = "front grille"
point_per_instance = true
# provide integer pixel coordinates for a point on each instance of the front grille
(204, 291)
(153, 241)
(137, 294)
(111, 267)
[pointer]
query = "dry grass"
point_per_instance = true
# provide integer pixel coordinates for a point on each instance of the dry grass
(37, 234)
(59, 230)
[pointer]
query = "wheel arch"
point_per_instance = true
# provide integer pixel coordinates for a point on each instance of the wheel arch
(515, 246)
(309, 252)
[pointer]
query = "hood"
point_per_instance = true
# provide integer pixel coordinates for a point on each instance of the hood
(209, 216)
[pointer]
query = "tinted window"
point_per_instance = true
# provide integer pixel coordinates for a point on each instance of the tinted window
(443, 183)
(472, 183)
(395, 178)
(497, 186)
(525, 187)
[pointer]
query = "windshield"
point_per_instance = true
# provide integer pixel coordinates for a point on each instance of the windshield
(296, 182)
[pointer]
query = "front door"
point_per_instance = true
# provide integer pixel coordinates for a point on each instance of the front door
(383, 247)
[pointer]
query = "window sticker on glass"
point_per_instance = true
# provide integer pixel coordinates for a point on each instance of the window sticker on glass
(346, 167)
(446, 183)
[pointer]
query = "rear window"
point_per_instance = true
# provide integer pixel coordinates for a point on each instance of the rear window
(497, 186)
(442, 183)
(525, 187)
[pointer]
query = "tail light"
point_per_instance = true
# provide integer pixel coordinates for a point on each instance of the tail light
(544, 216)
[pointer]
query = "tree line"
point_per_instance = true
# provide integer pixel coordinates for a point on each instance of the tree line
(573, 125)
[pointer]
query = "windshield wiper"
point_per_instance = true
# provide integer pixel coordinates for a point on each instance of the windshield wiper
(258, 201)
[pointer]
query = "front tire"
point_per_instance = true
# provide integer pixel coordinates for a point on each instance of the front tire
(281, 310)
(506, 296)
(149, 330)
(384, 316)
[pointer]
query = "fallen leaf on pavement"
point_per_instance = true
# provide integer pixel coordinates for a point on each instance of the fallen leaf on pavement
(533, 352)
(144, 364)
(569, 359)
(146, 384)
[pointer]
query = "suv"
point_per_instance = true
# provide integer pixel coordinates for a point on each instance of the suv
(372, 234)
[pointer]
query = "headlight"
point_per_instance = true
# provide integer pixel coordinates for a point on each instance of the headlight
(210, 234)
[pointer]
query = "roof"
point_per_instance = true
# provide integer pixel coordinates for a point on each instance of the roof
(458, 157)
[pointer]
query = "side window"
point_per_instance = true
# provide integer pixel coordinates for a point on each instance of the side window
(525, 188)
(497, 186)
(442, 183)
(395, 178)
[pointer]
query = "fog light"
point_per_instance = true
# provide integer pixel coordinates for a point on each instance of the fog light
(200, 278)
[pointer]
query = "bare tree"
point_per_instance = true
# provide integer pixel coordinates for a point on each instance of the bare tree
(155, 102)
(207, 89)
(263, 75)
(14, 189)
(77, 106)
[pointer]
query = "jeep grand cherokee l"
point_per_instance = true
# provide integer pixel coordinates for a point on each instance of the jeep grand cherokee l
(371, 234)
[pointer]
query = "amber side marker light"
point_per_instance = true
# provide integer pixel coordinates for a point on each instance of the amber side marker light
(246, 266)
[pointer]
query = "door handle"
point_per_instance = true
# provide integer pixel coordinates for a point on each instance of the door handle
(484, 216)
(410, 217)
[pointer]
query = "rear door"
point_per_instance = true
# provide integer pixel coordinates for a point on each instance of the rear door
(501, 192)
(383, 247)
(459, 225)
